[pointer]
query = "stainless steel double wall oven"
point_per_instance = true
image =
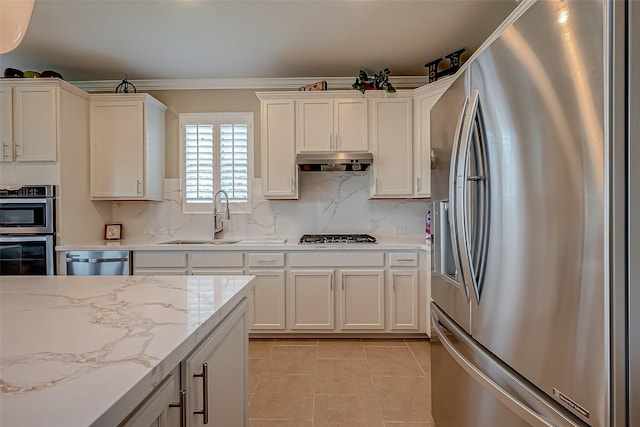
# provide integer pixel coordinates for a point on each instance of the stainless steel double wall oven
(27, 230)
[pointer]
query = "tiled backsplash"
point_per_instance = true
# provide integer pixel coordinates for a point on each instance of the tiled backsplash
(329, 202)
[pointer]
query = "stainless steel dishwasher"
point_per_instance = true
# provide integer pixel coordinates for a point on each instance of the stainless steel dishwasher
(98, 263)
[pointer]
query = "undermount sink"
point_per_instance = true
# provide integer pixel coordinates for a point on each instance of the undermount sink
(200, 242)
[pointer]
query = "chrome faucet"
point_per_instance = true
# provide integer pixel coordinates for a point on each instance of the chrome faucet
(218, 228)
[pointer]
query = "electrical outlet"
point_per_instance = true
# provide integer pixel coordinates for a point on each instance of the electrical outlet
(400, 230)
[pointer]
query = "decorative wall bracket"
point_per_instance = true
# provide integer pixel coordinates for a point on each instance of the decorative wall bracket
(454, 64)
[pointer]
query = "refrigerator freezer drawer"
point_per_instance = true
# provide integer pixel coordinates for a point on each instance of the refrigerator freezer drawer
(471, 388)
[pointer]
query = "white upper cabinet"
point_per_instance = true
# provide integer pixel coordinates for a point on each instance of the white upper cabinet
(392, 143)
(127, 147)
(29, 122)
(332, 125)
(278, 149)
(424, 99)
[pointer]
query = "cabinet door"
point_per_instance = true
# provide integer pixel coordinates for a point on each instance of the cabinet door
(392, 148)
(315, 125)
(117, 149)
(35, 123)
(350, 125)
(6, 123)
(160, 271)
(311, 299)
(216, 375)
(361, 299)
(216, 272)
(267, 300)
(422, 144)
(278, 148)
(161, 409)
(404, 299)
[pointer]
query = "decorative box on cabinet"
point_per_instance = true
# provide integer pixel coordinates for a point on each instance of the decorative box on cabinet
(332, 125)
(127, 147)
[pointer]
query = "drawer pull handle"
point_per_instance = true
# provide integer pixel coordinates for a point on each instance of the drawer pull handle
(405, 259)
(183, 408)
(205, 393)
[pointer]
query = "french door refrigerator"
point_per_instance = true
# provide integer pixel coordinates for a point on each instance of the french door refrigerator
(532, 195)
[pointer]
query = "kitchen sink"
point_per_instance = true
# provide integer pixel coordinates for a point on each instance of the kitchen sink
(200, 242)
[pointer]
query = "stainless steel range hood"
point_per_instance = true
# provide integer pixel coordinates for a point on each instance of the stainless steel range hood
(334, 162)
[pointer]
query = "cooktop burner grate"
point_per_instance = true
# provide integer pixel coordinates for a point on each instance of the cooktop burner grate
(336, 238)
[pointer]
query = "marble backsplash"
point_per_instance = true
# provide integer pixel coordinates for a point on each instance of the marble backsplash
(334, 202)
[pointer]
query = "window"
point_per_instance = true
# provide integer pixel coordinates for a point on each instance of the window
(216, 154)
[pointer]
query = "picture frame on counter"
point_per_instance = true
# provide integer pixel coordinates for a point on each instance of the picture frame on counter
(112, 231)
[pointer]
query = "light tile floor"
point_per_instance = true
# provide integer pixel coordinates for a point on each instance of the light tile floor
(339, 382)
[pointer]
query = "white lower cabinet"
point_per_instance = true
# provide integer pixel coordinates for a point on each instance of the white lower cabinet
(181, 263)
(311, 299)
(403, 299)
(267, 300)
(209, 387)
(162, 408)
(208, 263)
(315, 291)
(362, 299)
(215, 376)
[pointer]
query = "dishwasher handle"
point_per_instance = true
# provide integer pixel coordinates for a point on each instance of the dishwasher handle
(71, 258)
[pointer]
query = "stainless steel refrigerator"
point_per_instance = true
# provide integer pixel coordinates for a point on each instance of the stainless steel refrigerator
(533, 224)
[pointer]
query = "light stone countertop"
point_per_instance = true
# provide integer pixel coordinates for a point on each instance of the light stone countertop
(80, 351)
(256, 244)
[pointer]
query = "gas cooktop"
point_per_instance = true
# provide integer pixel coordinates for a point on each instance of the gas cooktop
(336, 238)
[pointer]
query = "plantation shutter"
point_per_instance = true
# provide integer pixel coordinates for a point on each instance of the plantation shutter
(199, 163)
(234, 161)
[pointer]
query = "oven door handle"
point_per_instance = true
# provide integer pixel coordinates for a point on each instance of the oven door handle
(18, 239)
(25, 201)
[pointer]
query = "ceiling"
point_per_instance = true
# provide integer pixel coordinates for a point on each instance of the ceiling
(209, 39)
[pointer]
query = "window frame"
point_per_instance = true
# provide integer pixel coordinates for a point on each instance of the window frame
(215, 119)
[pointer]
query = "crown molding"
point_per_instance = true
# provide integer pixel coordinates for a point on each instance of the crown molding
(399, 82)
(437, 87)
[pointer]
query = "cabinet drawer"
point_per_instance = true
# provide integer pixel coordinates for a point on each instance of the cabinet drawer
(159, 259)
(337, 259)
(216, 259)
(266, 260)
(403, 259)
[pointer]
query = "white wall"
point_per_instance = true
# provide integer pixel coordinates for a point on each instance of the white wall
(329, 202)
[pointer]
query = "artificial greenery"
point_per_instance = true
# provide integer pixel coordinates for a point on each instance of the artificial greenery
(379, 81)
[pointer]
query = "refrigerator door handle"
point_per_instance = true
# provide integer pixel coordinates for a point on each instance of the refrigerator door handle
(520, 408)
(475, 209)
(453, 172)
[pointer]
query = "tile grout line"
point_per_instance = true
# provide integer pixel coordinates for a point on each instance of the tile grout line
(418, 362)
(315, 377)
(375, 393)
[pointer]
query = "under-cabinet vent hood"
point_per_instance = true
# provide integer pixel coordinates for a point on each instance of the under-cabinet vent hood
(334, 162)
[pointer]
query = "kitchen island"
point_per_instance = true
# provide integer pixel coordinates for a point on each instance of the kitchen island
(87, 350)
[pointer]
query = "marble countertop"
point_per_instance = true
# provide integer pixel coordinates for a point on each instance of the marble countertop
(259, 244)
(80, 351)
